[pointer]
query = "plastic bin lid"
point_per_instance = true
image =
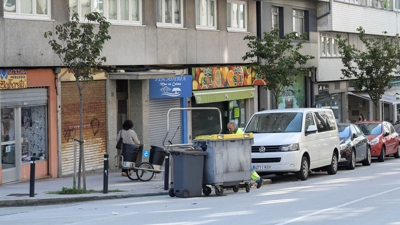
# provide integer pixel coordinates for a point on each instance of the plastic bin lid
(216, 137)
(189, 152)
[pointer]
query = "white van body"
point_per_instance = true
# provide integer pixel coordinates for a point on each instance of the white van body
(294, 140)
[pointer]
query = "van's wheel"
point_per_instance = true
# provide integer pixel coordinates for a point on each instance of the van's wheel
(332, 169)
(381, 157)
(397, 154)
(352, 163)
(302, 174)
(368, 160)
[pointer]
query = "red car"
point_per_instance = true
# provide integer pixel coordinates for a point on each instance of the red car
(383, 138)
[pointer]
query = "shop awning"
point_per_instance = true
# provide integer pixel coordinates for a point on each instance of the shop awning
(387, 97)
(221, 95)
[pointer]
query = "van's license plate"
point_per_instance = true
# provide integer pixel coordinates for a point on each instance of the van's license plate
(263, 167)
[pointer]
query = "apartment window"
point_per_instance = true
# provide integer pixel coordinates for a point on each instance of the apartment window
(237, 14)
(206, 11)
(34, 9)
(275, 16)
(116, 11)
(299, 21)
(169, 13)
(328, 45)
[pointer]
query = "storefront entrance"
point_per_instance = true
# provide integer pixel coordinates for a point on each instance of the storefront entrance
(23, 130)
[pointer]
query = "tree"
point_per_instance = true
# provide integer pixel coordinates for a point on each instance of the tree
(277, 59)
(78, 47)
(370, 70)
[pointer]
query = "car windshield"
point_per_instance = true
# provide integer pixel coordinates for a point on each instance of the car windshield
(370, 128)
(344, 131)
(282, 122)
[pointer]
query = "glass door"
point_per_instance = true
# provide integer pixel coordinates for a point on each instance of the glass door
(8, 153)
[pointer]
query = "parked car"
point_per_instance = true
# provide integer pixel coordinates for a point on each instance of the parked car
(354, 146)
(294, 141)
(383, 138)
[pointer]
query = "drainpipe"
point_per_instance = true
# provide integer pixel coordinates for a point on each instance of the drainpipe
(327, 13)
(57, 71)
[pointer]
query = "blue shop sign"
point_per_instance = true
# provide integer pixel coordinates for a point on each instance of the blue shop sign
(175, 87)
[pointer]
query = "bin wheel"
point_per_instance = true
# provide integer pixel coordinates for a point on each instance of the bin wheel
(185, 193)
(145, 171)
(247, 186)
(171, 192)
(236, 188)
(219, 190)
(206, 190)
(132, 175)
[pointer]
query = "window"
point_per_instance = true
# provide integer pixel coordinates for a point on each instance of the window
(275, 16)
(30, 9)
(309, 120)
(116, 11)
(396, 4)
(236, 12)
(169, 13)
(298, 21)
(206, 14)
(329, 46)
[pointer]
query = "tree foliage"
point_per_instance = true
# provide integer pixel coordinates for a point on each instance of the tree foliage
(278, 59)
(370, 70)
(79, 45)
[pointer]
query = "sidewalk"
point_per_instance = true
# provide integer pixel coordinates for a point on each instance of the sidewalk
(17, 194)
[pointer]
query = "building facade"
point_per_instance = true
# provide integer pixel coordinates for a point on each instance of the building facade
(151, 39)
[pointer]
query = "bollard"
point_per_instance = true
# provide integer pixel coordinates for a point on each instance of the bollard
(166, 172)
(105, 175)
(32, 178)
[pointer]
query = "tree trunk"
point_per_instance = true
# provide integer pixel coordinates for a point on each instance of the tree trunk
(376, 110)
(81, 151)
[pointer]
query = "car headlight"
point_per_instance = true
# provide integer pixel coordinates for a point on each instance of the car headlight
(343, 147)
(374, 141)
(291, 147)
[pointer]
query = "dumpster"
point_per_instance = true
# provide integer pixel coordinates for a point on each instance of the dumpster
(187, 173)
(228, 161)
(157, 155)
(130, 153)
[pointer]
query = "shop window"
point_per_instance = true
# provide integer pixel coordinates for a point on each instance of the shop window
(237, 113)
(29, 9)
(34, 133)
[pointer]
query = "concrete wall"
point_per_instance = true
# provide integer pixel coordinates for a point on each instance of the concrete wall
(23, 44)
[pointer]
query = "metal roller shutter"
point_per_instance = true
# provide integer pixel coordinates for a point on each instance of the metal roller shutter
(158, 121)
(23, 97)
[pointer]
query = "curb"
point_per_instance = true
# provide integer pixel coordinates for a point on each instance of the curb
(62, 200)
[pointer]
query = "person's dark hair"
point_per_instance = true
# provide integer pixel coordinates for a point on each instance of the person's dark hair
(128, 124)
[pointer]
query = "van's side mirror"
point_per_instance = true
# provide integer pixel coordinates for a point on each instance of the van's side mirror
(354, 136)
(386, 134)
(311, 129)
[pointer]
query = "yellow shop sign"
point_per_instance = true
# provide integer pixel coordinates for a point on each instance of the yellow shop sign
(13, 79)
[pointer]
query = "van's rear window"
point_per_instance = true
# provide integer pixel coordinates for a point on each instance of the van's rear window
(275, 123)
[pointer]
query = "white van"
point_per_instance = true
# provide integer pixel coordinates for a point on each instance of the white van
(294, 140)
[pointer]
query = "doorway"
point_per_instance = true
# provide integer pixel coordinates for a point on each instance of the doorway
(9, 153)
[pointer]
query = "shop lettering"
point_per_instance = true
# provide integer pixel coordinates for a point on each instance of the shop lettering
(178, 78)
(10, 84)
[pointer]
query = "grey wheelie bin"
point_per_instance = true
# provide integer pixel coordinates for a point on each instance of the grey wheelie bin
(228, 161)
(187, 173)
